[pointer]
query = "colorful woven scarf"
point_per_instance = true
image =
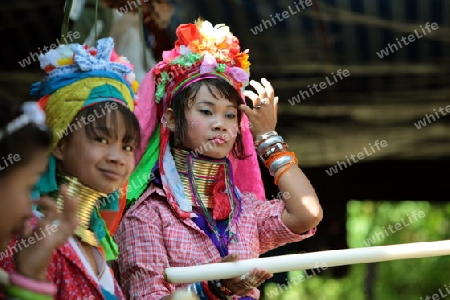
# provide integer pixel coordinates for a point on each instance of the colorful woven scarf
(77, 77)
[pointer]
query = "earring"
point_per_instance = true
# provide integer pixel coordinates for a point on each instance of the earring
(163, 121)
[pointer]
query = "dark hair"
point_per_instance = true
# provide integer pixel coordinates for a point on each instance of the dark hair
(98, 124)
(185, 98)
(23, 142)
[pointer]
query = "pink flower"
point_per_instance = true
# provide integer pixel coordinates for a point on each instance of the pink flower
(114, 56)
(170, 55)
(209, 64)
(238, 74)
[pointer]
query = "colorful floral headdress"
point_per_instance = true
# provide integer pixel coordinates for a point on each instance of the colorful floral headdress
(74, 59)
(201, 48)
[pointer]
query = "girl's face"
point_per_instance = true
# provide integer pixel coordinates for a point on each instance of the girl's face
(16, 189)
(212, 124)
(103, 161)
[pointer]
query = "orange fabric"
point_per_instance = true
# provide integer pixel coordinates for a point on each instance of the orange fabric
(43, 101)
(112, 218)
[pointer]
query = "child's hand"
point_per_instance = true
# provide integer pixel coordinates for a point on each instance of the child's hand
(263, 116)
(242, 285)
(52, 231)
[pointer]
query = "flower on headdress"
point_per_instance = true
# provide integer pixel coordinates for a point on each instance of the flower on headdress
(238, 74)
(168, 56)
(160, 88)
(114, 56)
(209, 64)
(61, 56)
(135, 87)
(120, 59)
(75, 57)
(187, 33)
(91, 50)
(212, 49)
(184, 50)
(242, 60)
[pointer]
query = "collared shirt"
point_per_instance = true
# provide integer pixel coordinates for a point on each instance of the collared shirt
(151, 238)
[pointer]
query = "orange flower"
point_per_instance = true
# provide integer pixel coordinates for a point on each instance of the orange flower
(234, 45)
(242, 61)
(186, 34)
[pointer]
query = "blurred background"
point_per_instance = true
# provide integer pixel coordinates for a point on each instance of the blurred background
(396, 92)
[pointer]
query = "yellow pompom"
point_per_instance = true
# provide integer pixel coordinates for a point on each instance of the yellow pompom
(135, 86)
(65, 61)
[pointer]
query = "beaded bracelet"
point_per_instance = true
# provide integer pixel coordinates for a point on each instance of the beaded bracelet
(284, 169)
(220, 290)
(223, 289)
(271, 159)
(279, 163)
(24, 294)
(39, 287)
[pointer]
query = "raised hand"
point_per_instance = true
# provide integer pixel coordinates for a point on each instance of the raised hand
(263, 116)
(52, 231)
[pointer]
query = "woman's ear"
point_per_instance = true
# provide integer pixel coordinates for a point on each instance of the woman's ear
(58, 153)
(169, 117)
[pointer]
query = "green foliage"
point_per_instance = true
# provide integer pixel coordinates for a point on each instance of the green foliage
(374, 224)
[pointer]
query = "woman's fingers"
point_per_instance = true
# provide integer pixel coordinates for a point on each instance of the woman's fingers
(253, 279)
(252, 96)
(49, 208)
(244, 284)
(268, 88)
(260, 89)
(247, 110)
(276, 106)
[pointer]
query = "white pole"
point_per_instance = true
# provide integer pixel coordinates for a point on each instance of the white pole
(322, 259)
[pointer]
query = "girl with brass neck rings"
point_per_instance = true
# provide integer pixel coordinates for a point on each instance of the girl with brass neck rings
(88, 96)
(205, 203)
(25, 137)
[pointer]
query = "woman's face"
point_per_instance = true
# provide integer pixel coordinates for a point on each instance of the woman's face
(212, 124)
(104, 161)
(16, 189)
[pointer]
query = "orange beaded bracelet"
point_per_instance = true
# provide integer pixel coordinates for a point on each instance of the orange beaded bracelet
(277, 155)
(284, 169)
